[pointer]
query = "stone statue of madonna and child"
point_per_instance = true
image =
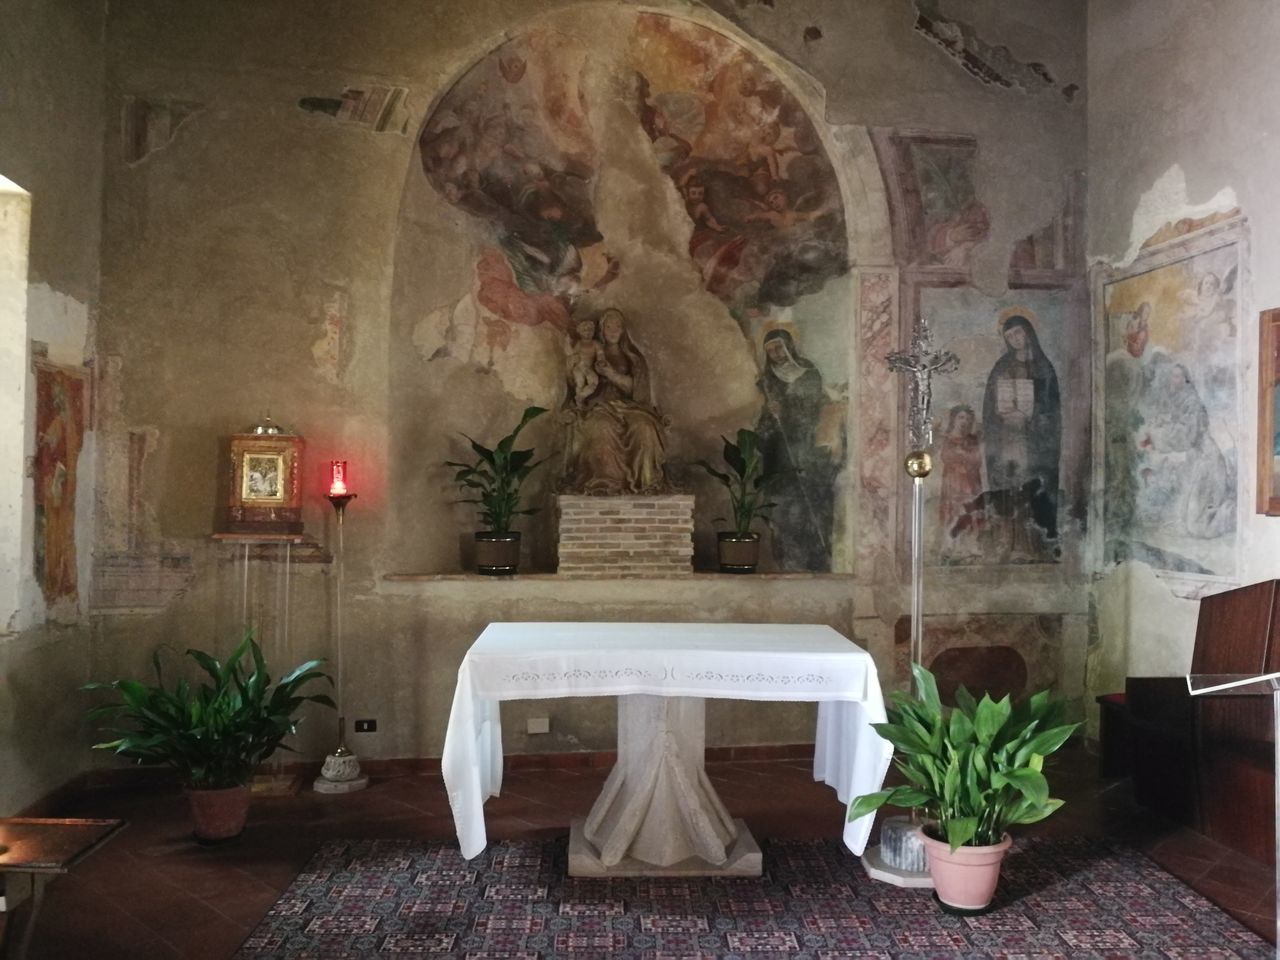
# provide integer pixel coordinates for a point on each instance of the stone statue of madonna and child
(614, 442)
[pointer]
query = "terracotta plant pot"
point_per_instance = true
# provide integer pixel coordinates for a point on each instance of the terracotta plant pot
(497, 554)
(739, 553)
(218, 815)
(964, 880)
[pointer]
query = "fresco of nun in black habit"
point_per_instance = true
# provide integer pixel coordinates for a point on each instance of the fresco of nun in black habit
(794, 397)
(1022, 444)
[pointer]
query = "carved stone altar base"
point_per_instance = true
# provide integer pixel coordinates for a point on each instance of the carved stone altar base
(658, 814)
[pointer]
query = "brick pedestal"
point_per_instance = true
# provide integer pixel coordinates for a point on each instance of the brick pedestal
(626, 536)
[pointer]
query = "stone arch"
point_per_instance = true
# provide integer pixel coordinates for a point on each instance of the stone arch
(658, 162)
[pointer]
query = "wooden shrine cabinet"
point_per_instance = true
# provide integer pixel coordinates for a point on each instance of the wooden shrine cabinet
(1208, 761)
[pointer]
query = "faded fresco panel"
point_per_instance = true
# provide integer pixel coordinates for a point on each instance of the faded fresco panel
(768, 222)
(1014, 654)
(511, 143)
(943, 216)
(60, 425)
(995, 491)
(805, 383)
(1171, 412)
(878, 467)
(519, 144)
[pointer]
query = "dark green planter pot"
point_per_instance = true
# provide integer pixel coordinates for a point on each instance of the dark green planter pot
(739, 553)
(497, 554)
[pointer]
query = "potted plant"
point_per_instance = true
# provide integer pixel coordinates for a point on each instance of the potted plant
(748, 483)
(213, 734)
(975, 770)
(495, 480)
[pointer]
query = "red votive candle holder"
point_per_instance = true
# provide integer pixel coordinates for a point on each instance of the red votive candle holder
(338, 478)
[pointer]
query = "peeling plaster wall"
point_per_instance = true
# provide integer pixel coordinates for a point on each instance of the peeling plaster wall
(1182, 108)
(250, 265)
(51, 58)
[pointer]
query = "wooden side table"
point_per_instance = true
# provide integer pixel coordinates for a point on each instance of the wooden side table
(42, 849)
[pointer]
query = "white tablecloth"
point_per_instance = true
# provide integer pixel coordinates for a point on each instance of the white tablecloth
(737, 661)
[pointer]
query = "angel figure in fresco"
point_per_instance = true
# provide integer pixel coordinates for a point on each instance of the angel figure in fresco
(778, 211)
(961, 457)
(775, 150)
(1211, 306)
(615, 441)
(695, 203)
(963, 506)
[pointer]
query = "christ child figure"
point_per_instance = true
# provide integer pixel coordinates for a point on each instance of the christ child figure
(583, 351)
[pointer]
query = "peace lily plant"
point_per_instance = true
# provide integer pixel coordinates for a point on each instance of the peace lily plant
(214, 733)
(493, 484)
(749, 482)
(973, 770)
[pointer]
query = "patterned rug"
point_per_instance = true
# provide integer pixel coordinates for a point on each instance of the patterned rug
(1070, 898)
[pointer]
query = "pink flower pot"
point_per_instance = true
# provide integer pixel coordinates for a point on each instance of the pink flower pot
(964, 879)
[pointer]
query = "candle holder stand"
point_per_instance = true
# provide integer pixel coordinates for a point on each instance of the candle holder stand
(341, 770)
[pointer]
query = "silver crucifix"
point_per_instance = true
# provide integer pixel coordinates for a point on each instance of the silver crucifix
(922, 361)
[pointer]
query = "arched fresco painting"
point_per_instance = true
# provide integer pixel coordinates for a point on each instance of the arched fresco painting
(768, 224)
(522, 143)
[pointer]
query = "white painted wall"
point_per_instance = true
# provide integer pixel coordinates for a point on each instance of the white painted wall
(1183, 115)
(15, 503)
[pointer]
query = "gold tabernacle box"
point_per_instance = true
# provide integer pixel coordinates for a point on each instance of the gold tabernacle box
(265, 490)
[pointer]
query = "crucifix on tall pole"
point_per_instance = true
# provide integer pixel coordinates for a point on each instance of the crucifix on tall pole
(899, 858)
(921, 362)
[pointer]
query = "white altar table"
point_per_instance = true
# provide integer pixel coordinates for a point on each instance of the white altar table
(793, 662)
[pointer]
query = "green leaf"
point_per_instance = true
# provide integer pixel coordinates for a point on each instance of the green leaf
(719, 475)
(734, 458)
(895, 796)
(1032, 813)
(961, 728)
(960, 831)
(484, 453)
(1030, 783)
(928, 689)
(902, 738)
(1045, 743)
(989, 717)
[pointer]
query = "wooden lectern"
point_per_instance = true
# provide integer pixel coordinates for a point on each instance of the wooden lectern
(1208, 761)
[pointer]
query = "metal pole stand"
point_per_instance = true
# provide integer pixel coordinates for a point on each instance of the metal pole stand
(341, 770)
(899, 859)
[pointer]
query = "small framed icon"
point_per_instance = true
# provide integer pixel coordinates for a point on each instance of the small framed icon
(264, 489)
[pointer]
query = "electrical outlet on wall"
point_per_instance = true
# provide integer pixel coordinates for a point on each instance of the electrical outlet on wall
(539, 725)
(366, 726)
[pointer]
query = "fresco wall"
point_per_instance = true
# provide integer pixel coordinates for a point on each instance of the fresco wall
(54, 62)
(446, 193)
(1004, 506)
(1180, 285)
(754, 217)
(1169, 330)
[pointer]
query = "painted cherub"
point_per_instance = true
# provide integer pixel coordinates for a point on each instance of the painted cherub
(582, 351)
(781, 213)
(695, 202)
